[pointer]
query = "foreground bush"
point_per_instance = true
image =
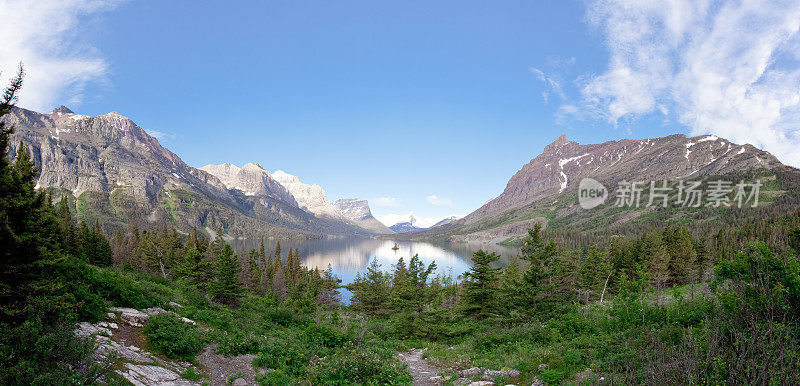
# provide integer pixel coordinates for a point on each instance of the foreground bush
(174, 338)
(359, 365)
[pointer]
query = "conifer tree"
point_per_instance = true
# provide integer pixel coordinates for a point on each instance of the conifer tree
(226, 287)
(370, 291)
(194, 268)
(329, 289)
(480, 288)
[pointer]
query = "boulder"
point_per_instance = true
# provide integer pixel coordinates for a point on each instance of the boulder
(482, 383)
(132, 316)
(143, 375)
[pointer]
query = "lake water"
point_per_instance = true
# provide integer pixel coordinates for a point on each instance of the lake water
(347, 257)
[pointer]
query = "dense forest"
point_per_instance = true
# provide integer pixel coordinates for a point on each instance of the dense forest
(672, 305)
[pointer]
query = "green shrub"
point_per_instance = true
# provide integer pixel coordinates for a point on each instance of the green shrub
(43, 349)
(359, 365)
(275, 378)
(287, 352)
(174, 338)
(552, 376)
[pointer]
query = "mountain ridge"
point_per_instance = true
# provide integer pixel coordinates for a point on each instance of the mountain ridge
(115, 173)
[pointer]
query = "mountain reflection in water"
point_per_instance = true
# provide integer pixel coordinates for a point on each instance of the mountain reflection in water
(347, 257)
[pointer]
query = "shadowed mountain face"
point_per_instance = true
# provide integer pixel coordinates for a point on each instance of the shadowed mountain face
(546, 189)
(112, 171)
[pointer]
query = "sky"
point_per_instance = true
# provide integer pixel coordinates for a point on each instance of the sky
(421, 107)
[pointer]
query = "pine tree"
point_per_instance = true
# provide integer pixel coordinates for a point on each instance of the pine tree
(94, 246)
(194, 268)
(226, 287)
(279, 284)
(329, 289)
(593, 273)
(480, 288)
(370, 291)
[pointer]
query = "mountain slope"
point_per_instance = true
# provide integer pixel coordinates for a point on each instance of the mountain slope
(311, 198)
(358, 211)
(113, 172)
(546, 189)
(252, 179)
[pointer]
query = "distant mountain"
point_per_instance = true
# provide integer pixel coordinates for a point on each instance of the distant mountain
(309, 197)
(358, 211)
(546, 189)
(445, 221)
(405, 227)
(251, 179)
(112, 171)
(413, 224)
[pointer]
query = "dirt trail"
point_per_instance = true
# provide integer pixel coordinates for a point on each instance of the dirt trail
(221, 368)
(421, 370)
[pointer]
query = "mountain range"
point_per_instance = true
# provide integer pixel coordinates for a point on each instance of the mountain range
(546, 189)
(111, 171)
(413, 226)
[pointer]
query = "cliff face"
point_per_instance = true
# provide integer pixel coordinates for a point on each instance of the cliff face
(118, 174)
(358, 211)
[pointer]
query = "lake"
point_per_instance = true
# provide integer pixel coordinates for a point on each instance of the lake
(347, 257)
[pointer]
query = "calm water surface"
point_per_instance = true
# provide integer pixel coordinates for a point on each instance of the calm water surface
(347, 257)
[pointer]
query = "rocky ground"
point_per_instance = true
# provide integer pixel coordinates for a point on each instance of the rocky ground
(426, 373)
(119, 339)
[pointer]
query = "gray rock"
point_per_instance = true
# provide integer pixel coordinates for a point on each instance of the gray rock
(537, 382)
(482, 383)
(472, 372)
(542, 366)
(145, 375)
(175, 305)
(239, 382)
(512, 373)
(437, 379)
(132, 316)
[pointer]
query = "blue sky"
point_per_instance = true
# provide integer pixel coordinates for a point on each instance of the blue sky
(397, 102)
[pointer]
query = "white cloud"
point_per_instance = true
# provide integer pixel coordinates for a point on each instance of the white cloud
(161, 135)
(44, 35)
(551, 83)
(421, 222)
(439, 201)
(731, 68)
(384, 201)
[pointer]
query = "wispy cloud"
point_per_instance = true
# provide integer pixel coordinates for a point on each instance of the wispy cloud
(439, 201)
(552, 85)
(384, 201)
(44, 35)
(162, 135)
(731, 68)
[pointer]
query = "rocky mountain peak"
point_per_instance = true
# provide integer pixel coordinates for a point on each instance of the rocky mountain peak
(252, 180)
(564, 163)
(353, 208)
(62, 110)
(285, 178)
(309, 197)
(557, 144)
